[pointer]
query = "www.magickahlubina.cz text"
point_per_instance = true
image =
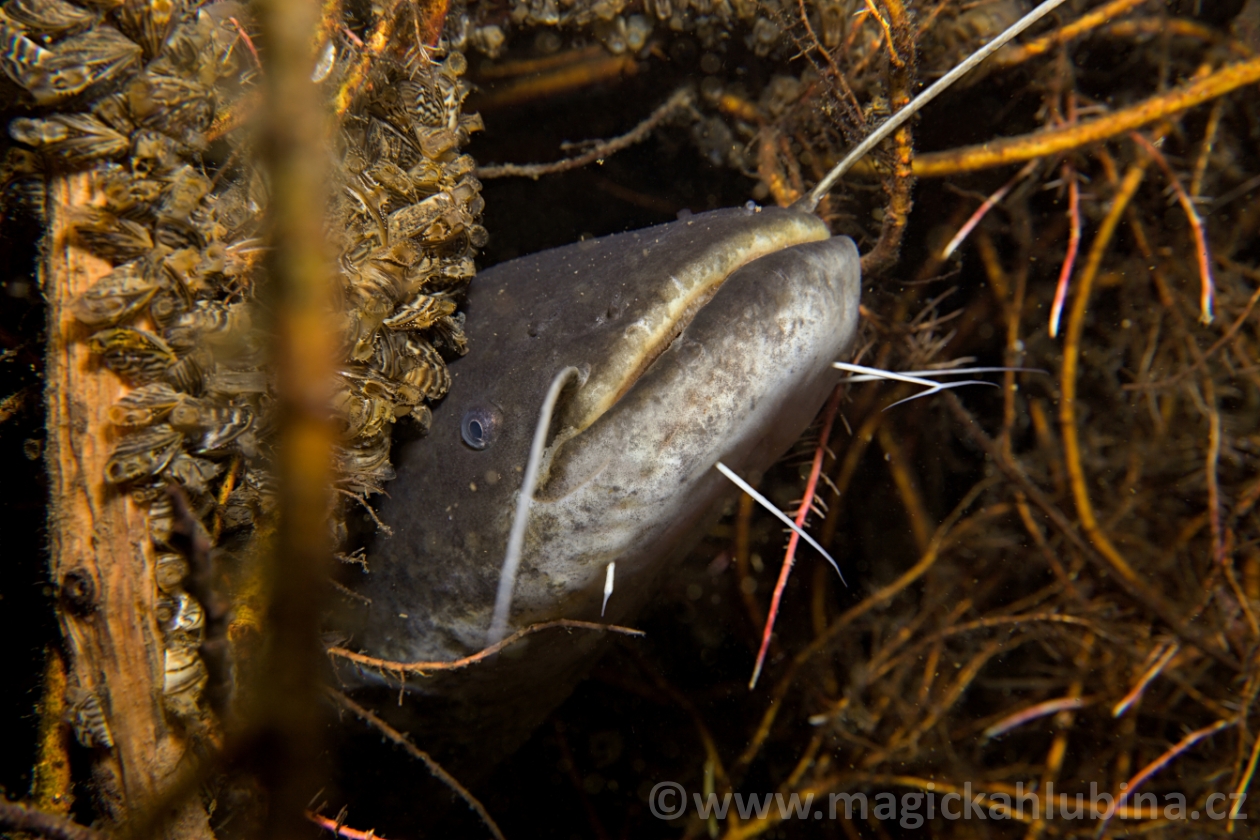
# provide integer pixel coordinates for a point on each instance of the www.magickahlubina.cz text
(669, 800)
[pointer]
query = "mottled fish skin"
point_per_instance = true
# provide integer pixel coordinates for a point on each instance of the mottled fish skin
(739, 384)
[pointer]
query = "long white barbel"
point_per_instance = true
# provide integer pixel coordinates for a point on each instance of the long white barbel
(783, 517)
(810, 201)
(879, 374)
(516, 537)
(862, 373)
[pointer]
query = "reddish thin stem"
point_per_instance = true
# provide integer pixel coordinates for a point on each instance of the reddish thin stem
(1040, 710)
(354, 39)
(249, 42)
(1162, 656)
(1213, 485)
(1159, 764)
(1207, 293)
(342, 830)
(390, 666)
(1074, 244)
(989, 203)
(789, 556)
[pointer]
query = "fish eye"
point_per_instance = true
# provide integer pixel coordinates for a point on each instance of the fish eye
(479, 427)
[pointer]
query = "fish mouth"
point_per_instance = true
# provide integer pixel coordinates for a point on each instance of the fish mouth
(673, 305)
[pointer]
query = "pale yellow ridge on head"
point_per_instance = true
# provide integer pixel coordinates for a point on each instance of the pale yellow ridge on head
(679, 298)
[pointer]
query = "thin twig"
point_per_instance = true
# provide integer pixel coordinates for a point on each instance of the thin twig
(1221, 342)
(336, 827)
(1156, 668)
(1158, 764)
(1244, 783)
(421, 667)
(15, 816)
(1103, 14)
(888, 35)
(744, 581)
(415, 752)
(377, 42)
(1008, 150)
(1038, 710)
(249, 42)
(15, 402)
(1068, 379)
(1202, 253)
(681, 100)
(1074, 244)
(845, 619)
(981, 211)
(380, 526)
(789, 556)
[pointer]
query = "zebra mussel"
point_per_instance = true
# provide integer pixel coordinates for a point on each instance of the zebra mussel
(147, 97)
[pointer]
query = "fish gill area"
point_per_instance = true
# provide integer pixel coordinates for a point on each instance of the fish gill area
(1053, 584)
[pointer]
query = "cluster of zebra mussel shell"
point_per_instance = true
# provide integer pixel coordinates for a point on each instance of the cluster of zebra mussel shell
(614, 23)
(410, 206)
(136, 87)
(135, 92)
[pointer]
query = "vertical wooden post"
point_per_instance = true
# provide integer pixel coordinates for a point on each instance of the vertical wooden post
(294, 145)
(101, 556)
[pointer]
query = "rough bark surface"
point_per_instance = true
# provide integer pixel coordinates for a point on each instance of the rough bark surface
(99, 536)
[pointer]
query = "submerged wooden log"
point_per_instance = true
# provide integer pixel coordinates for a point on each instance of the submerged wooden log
(101, 558)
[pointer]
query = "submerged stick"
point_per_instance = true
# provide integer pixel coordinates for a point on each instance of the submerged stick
(1007, 150)
(17, 817)
(423, 667)
(101, 558)
(284, 722)
(681, 100)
